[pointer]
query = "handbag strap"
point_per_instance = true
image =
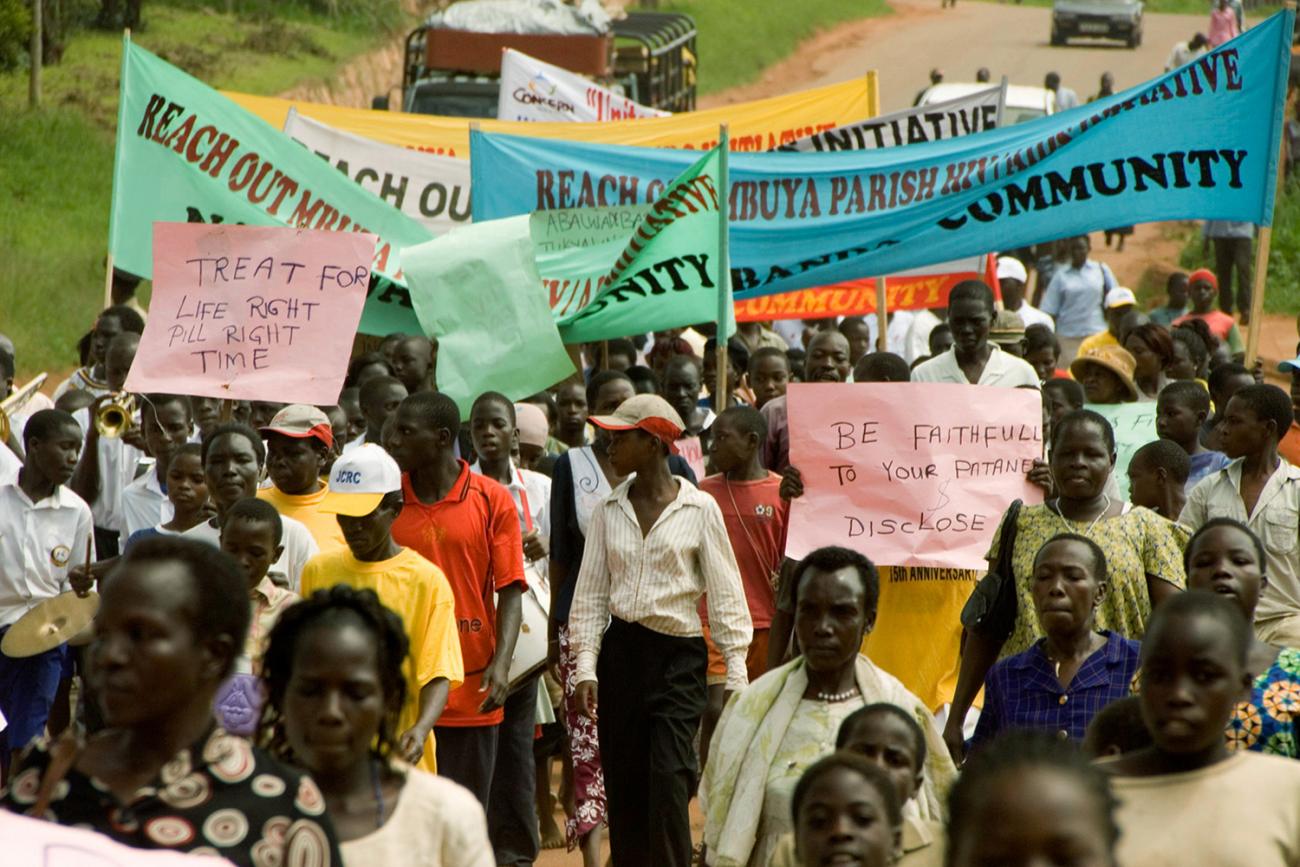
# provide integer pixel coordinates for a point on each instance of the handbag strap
(63, 754)
(1007, 539)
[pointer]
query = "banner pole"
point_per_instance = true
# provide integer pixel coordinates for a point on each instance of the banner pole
(723, 277)
(108, 280)
(882, 316)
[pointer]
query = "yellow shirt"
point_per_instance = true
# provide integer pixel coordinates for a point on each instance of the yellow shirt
(304, 508)
(917, 637)
(1095, 341)
(418, 592)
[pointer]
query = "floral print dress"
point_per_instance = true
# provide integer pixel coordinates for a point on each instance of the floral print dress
(1266, 723)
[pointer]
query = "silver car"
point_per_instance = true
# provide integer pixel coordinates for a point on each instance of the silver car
(1097, 19)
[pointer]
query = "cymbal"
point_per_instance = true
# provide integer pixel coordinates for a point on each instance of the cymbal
(53, 622)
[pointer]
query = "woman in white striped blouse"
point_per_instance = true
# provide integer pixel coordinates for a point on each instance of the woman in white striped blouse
(653, 547)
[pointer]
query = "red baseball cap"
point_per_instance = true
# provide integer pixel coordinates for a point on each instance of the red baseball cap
(301, 420)
(647, 412)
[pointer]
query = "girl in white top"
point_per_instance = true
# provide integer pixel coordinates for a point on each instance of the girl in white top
(334, 683)
(1186, 799)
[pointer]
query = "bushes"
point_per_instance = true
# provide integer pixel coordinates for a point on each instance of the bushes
(15, 32)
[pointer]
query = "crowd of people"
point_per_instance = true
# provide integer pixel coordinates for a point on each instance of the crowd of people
(367, 633)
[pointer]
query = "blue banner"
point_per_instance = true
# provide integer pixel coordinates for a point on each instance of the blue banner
(1200, 142)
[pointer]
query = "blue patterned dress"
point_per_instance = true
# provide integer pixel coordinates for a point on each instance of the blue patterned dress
(1266, 723)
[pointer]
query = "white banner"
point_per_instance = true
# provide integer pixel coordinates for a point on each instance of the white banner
(532, 89)
(426, 187)
(975, 112)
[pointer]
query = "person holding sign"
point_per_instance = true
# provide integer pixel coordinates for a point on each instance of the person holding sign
(827, 361)
(972, 358)
(1262, 491)
(654, 545)
(44, 529)
(1075, 670)
(1143, 555)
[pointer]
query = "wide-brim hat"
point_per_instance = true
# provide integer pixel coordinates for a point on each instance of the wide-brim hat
(1116, 359)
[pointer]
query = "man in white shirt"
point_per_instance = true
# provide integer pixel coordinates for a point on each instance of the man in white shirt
(44, 530)
(1262, 491)
(973, 359)
(166, 424)
(1065, 97)
(1185, 52)
(1012, 279)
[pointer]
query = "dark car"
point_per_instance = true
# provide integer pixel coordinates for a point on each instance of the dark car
(1097, 19)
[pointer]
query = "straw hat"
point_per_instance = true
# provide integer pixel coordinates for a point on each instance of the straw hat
(1116, 359)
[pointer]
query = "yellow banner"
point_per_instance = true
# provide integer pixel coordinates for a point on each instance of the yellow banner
(753, 126)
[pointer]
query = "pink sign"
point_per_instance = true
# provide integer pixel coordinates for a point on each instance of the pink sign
(252, 312)
(37, 843)
(910, 474)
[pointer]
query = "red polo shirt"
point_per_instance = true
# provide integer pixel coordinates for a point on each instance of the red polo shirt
(472, 535)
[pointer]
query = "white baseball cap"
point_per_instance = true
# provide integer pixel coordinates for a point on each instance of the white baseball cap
(1120, 297)
(360, 479)
(1011, 268)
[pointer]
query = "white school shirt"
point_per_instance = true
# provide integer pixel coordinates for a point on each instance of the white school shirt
(299, 547)
(144, 504)
(1002, 369)
(1275, 521)
(39, 542)
(1031, 315)
(9, 465)
(917, 344)
(657, 580)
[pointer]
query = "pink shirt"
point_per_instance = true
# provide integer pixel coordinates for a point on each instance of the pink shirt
(1223, 26)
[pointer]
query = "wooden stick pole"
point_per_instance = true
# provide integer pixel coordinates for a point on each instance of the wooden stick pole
(721, 394)
(882, 316)
(38, 56)
(1257, 294)
(108, 280)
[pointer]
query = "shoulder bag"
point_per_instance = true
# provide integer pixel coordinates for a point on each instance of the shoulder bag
(991, 609)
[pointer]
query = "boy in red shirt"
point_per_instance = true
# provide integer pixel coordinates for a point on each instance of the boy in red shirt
(467, 526)
(1203, 290)
(756, 519)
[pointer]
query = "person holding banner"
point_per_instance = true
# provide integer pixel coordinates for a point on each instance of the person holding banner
(1262, 491)
(1074, 297)
(654, 546)
(973, 359)
(1143, 556)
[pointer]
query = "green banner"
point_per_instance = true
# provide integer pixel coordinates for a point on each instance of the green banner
(1135, 426)
(667, 273)
(185, 153)
(478, 291)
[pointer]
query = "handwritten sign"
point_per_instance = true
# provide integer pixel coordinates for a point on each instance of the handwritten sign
(910, 474)
(36, 843)
(252, 312)
(1135, 426)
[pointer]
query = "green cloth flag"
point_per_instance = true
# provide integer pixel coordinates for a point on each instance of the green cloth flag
(1135, 426)
(185, 153)
(667, 274)
(478, 291)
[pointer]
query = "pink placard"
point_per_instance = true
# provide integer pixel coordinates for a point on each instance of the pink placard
(252, 312)
(37, 843)
(910, 474)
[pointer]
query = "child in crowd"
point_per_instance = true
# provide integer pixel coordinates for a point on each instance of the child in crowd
(1106, 373)
(1175, 305)
(350, 403)
(1203, 290)
(365, 494)
(1043, 352)
(1182, 410)
(1225, 380)
(1027, 798)
(187, 493)
(1117, 729)
(1191, 353)
(380, 398)
(166, 424)
(1179, 796)
(252, 534)
(844, 791)
(1062, 397)
(530, 420)
(769, 374)
(1157, 478)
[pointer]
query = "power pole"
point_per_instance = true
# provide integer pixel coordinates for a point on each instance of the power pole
(34, 89)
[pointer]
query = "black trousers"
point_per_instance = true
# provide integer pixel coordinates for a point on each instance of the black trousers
(1233, 255)
(512, 819)
(468, 755)
(650, 700)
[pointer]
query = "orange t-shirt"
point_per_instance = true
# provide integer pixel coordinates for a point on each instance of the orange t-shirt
(1289, 447)
(756, 518)
(472, 535)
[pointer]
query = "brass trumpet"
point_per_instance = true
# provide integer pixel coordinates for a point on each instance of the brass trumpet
(116, 417)
(16, 401)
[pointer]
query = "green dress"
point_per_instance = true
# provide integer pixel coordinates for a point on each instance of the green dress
(1136, 543)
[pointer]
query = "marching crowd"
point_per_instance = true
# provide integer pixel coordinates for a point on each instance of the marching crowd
(366, 633)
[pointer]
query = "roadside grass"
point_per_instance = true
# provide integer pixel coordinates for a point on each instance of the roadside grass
(1175, 7)
(738, 40)
(56, 175)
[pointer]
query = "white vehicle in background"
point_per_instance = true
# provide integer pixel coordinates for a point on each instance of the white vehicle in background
(1023, 102)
